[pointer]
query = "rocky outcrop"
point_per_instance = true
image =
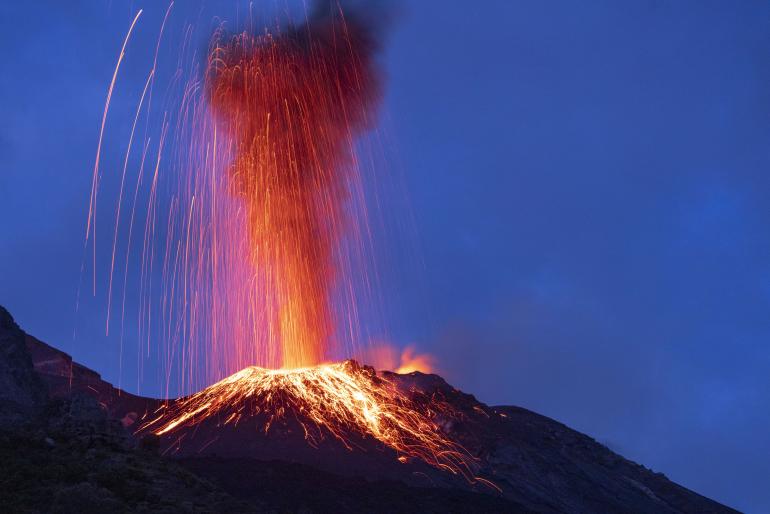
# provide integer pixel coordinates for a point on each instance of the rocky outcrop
(66, 454)
(549, 467)
(22, 392)
(65, 378)
(546, 466)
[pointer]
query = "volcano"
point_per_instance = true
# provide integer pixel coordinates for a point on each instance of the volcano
(271, 440)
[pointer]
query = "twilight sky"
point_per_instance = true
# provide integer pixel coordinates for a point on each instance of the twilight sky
(588, 187)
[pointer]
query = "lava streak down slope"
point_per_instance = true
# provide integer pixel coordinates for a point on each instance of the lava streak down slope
(345, 403)
(538, 464)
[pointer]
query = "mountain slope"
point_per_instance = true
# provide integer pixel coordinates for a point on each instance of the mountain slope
(536, 464)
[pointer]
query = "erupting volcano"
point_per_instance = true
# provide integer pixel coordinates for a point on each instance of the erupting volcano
(290, 107)
(264, 250)
(344, 400)
(256, 248)
(241, 265)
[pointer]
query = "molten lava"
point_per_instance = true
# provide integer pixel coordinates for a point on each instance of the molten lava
(256, 227)
(342, 399)
(242, 216)
(291, 106)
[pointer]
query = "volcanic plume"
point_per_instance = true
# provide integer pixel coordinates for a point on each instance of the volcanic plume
(266, 206)
(292, 105)
(249, 224)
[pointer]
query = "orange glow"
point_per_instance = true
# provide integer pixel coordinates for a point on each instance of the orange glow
(290, 107)
(411, 361)
(340, 399)
(253, 243)
(388, 357)
(248, 231)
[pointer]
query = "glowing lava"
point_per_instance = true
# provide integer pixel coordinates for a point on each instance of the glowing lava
(341, 399)
(255, 243)
(291, 106)
(240, 216)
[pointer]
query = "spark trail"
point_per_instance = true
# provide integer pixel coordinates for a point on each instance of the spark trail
(255, 245)
(246, 241)
(292, 105)
(342, 400)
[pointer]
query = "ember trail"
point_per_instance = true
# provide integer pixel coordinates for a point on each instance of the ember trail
(265, 230)
(291, 106)
(343, 400)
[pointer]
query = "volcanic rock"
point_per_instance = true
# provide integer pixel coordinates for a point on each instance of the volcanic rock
(68, 454)
(101, 459)
(22, 392)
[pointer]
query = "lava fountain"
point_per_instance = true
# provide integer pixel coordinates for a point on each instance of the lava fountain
(292, 105)
(265, 229)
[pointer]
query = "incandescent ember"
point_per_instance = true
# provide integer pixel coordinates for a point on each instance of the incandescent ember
(341, 400)
(291, 106)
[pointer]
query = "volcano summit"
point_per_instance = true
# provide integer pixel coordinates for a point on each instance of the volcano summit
(266, 441)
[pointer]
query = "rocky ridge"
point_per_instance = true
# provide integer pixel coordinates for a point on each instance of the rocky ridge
(69, 438)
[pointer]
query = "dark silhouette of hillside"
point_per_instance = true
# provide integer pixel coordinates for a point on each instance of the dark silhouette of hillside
(69, 443)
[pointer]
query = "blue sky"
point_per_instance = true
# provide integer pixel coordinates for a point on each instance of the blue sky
(588, 190)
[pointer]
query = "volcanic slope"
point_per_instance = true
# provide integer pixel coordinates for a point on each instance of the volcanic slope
(518, 461)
